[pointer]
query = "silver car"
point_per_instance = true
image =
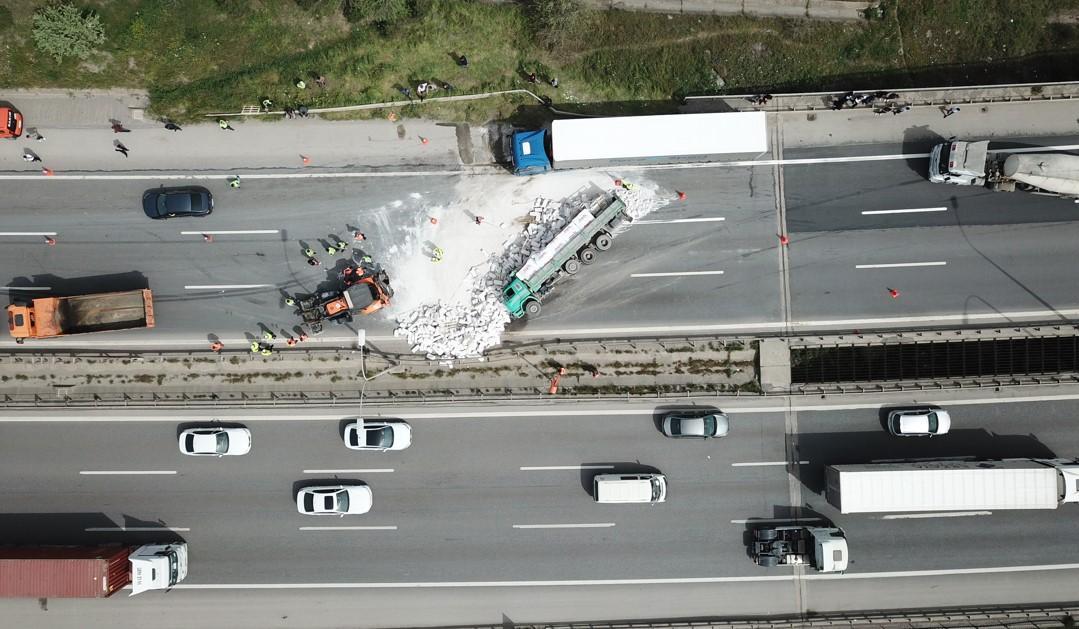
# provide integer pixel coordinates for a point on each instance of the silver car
(215, 441)
(334, 500)
(919, 422)
(679, 425)
(378, 434)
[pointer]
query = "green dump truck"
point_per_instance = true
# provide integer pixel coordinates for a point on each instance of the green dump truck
(592, 230)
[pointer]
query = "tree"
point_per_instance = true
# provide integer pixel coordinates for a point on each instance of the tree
(554, 21)
(62, 30)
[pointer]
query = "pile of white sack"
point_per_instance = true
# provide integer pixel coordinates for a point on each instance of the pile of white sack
(469, 326)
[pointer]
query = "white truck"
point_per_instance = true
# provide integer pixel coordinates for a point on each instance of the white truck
(973, 164)
(824, 548)
(924, 486)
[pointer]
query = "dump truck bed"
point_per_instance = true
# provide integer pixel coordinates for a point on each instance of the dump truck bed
(94, 313)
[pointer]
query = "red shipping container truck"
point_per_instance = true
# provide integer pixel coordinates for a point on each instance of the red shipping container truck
(88, 571)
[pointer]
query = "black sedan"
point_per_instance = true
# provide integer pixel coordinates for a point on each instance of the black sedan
(172, 202)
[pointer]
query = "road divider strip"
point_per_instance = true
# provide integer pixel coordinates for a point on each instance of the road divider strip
(590, 525)
(896, 265)
(127, 472)
(375, 470)
(941, 514)
(914, 210)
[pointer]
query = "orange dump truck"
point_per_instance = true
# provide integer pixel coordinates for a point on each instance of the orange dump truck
(10, 123)
(58, 316)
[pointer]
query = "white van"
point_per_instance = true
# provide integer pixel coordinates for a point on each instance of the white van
(620, 488)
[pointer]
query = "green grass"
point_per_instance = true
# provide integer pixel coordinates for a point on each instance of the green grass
(199, 56)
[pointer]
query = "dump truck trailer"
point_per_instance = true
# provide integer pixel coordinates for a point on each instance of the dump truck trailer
(953, 485)
(89, 571)
(591, 231)
(823, 548)
(974, 164)
(59, 316)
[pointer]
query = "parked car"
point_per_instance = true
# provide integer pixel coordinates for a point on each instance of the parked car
(162, 203)
(378, 434)
(679, 425)
(215, 441)
(919, 422)
(334, 500)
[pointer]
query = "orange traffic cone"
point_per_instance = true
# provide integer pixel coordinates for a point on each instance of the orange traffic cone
(681, 195)
(783, 240)
(434, 221)
(47, 172)
(49, 240)
(208, 237)
(894, 293)
(306, 160)
(423, 140)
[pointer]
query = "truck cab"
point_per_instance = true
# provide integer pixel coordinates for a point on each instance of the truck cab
(959, 163)
(10, 123)
(157, 567)
(530, 153)
(519, 299)
(20, 321)
(821, 547)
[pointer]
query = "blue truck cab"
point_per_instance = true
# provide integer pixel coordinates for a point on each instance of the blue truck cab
(530, 153)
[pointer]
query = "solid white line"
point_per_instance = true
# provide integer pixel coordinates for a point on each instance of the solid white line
(945, 514)
(348, 528)
(764, 463)
(896, 265)
(714, 219)
(382, 470)
(25, 287)
(138, 529)
(608, 582)
(677, 274)
(126, 472)
(245, 231)
(596, 525)
(774, 520)
(27, 233)
(226, 286)
(566, 467)
(907, 211)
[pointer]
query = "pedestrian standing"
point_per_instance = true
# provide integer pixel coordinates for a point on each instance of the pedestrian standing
(341, 245)
(291, 341)
(255, 347)
(300, 84)
(303, 336)
(224, 124)
(266, 350)
(172, 126)
(321, 82)
(309, 252)
(313, 261)
(359, 236)
(330, 250)
(30, 157)
(302, 111)
(234, 182)
(290, 301)
(901, 110)
(407, 91)
(554, 82)
(35, 135)
(532, 77)
(290, 112)
(421, 90)
(951, 111)
(217, 346)
(478, 219)
(447, 86)
(119, 128)
(266, 104)
(462, 61)
(120, 148)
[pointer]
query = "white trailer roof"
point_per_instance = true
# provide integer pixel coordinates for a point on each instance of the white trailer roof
(588, 139)
(890, 488)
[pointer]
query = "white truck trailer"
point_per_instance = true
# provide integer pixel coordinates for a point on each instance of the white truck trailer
(973, 164)
(953, 485)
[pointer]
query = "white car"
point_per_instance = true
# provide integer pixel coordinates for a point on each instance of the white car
(378, 434)
(679, 425)
(215, 441)
(334, 500)
(921, 422)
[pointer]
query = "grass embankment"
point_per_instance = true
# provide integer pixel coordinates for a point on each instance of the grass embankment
(199, 56)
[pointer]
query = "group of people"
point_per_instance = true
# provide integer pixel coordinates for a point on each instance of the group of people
(852, 100)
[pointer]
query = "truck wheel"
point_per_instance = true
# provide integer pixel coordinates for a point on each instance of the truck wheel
(765, 535)
(571, 266)
(588, 255)
(532, 308)
(603, 241)
(767, 561)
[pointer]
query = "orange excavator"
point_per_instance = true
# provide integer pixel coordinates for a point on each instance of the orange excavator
(365, 292)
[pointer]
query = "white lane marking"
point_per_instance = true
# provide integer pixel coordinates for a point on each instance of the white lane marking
(240, 231)
(896, 265)
(127, 472)
(945, 514)
(775, 520)
(913, 210)
(676, 274)
(565, 467)
(25, 287)
(824, 323)
(674, 221)
(348, 528)
(765, 463)
(27, 233)
(592, 525)
(138, 529)
(225, 286)
(508, 584)
(377, 470)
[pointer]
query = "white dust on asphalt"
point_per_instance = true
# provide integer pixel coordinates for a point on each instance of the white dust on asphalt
(452, 308)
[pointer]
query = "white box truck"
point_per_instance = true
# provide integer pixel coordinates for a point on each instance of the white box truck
(973, 164)
(953, 485)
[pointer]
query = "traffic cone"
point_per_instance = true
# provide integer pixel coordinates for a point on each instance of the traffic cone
(392, 117)
(306, 160)
(48, 172)
(681, 195)
(617, 183)
(554, 385)
(783, 240)
(423, 140)
(49, 240)
(434, 221)
(217, 346)
(208, 237)
(894, 293)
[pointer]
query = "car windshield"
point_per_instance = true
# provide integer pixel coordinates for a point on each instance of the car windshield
(222, 443)
(309, 503)
(174, 568)
(189, 443)
(710, 425)
(342, 500)
(932, 422)
(381, 437)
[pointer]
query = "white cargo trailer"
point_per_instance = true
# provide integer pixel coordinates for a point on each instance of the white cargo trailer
(953, 485)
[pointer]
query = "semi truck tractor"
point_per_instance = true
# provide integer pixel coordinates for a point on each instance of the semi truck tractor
(973, 164)
(89, 571)
(953, 485)
(592, 230)
(46, 317)
(631, 140)
(823, 548)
